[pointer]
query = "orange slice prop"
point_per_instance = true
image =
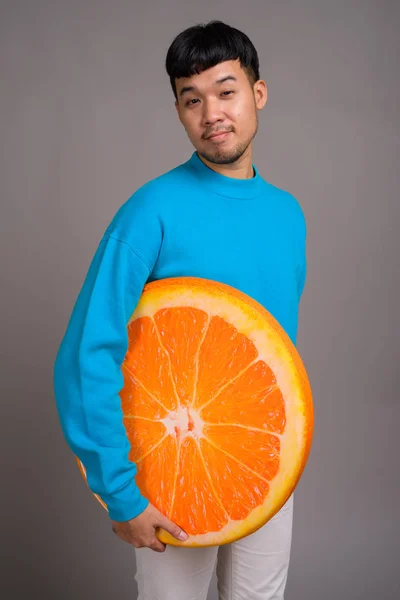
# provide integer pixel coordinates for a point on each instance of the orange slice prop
(217, 407)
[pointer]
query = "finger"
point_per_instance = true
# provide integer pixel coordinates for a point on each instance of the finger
(158, 546)
(173, 529)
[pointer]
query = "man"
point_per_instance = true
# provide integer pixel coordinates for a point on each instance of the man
(212, 217)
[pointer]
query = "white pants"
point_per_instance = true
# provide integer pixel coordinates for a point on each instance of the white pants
(253, 568)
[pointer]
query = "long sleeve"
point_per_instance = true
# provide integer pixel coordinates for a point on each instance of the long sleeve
(88, 376)
(302, 264)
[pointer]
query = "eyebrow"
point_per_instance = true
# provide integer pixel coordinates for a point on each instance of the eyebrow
(192, 88)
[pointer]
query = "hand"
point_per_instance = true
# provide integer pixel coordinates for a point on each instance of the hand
(140, 531)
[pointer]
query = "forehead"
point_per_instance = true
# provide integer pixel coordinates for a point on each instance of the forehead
(210, 76)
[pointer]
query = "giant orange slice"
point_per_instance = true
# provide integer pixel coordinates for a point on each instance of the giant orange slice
(217, 408)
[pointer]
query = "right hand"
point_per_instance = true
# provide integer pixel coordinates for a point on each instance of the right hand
(140, 531)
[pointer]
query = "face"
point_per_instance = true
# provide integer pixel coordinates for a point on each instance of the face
(220, 100)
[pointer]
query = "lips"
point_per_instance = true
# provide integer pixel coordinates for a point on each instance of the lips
(217, 134)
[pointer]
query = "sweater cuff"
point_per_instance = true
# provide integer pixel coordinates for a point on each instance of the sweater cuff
(125, 504)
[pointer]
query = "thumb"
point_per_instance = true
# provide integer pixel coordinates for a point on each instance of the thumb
(173, 529)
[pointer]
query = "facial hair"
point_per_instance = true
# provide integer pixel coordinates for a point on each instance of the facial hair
(223, 156)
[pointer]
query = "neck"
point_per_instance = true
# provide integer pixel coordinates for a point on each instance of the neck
(242, 168)
(225, 183)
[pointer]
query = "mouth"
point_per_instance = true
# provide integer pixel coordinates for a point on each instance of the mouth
(218, 136)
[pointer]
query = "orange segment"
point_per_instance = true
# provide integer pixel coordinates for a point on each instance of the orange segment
(238, 489)
(137, 402)
(255, 449)
(253, 399)
(144, 436)
(155, 473)
(174, 324)
(148, 362)
(223, 355)
(196, 505)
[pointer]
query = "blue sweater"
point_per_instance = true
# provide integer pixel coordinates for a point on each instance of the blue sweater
(190, 221)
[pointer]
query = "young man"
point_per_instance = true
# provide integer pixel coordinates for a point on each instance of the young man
(213, 217)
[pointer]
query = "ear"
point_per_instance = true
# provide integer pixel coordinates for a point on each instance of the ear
(260, 93)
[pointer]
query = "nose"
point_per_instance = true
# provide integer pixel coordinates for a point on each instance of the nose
(212, 112)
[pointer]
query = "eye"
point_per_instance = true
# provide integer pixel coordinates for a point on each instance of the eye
(193, 101)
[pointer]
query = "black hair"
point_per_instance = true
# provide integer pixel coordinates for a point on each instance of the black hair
(203, 46)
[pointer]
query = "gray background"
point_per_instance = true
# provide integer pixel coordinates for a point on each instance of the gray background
(87, 116)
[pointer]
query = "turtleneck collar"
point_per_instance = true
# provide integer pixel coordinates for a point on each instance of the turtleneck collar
(223, 185)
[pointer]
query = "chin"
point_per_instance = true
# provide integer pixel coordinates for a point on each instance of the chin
(223, 156)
